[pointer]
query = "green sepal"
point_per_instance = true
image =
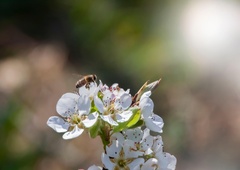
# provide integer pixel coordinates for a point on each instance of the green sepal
(105, 139)
(100, 95)
(104, 133)
(93, 109)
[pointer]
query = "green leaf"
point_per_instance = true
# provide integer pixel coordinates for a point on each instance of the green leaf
(104, 133)
(134, 119)
(131, 122)
(120, 127)
(138, 124)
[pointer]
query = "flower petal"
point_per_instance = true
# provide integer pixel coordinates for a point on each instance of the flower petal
(109, 119)
(131, 150)
(146, 105)
(134, 134)
(94, 167)
(117, 136)
(124, 116)
(146, 132)
(135, 164)
(114, 149)
(66, 105)
(123, 102)
(73, 134)
(158, 144)
(84, 104)
(151, 164)
(154, 123)
(90, 120)
(147, 143)
(108, 96)
(107, 162)
(146, 94)
(99, 104)
(70, 95)
(166, 161)
(57, 124)
(89, 92)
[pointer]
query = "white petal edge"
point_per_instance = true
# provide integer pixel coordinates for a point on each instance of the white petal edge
(99, 104)
(109, 119)
(119, 137)
(150, 164)
(90, 120)
(135, 135)
(147, 143)
(135, 164)
(131, 150)
(124, 116)
(166, 160)
(106, 162)
(94, 167)
(114, 149)
(158, 144)
(154, 123)
(73, 134)
(66, 105)
(57, 124)
(84, 104)
(146, 105)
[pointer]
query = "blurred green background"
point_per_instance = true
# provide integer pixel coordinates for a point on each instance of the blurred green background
(192, 45)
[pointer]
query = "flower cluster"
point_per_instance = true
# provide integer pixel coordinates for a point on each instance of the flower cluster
(119, 119)
(136, 149)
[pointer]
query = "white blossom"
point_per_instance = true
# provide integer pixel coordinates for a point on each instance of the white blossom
(161, 160)
(74, 111)
(117, 158)
(114, 104)
(124, 148)
(152, 121)
(166, 161)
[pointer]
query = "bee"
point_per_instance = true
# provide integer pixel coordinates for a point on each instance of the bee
(86, 80)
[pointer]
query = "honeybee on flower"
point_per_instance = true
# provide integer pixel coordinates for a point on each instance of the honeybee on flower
(122, 121)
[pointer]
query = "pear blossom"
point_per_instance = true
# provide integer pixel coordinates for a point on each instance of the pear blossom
(127, 146)
(74, 111)
(133, 144)
(166, 161)
(114, 104)
(152, 121)
(117, 158)
(138, 141)
(159, 160)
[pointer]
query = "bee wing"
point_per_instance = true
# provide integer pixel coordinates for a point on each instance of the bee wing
(79, 76)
